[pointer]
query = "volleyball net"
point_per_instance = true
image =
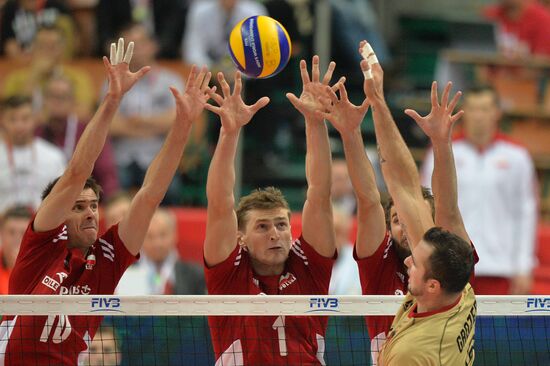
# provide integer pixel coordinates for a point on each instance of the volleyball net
(174, 330)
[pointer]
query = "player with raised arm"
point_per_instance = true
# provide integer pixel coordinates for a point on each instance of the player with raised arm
(435, 324)
(380, 246)
(250, 250)
(61, 252)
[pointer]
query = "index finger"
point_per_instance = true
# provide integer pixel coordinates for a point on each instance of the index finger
(303, 72)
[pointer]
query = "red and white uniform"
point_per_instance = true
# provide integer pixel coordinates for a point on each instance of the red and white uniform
(383, 273)
(270, 340)
(45, 266)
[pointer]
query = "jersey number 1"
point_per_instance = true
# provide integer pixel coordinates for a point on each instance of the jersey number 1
(279, 326)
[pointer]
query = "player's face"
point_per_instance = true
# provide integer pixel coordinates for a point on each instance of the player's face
(18, 124)
(416, 268)
(11, 234)
(103, 352)
(82, 224)
(268, 239)
(398, 235)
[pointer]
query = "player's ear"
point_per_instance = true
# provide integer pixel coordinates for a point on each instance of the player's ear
(434, 286)
(241, 241)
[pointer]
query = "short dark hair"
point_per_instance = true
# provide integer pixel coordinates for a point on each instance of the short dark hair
(90, 183)
(426, 194)
(15, 101)
(452, 259)
(260, 199)
(16, 212)
(477, 89)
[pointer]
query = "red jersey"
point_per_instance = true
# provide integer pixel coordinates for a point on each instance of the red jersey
(270, 340)
(383, 273)
(45, 266)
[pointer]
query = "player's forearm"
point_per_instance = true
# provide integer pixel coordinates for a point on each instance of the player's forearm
(160, 173)
(360, 170)
(221, 175)
(318, 162)
(444, 187)
(93, 138)
(398, 166)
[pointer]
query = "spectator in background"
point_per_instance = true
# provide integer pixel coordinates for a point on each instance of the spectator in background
(497, 197)
(27, 163)
(209, 24)
(115, 207)
(524, 27)
(343, 196)
(21, 20)
(145, 116)
(345, 274)
(160, 270)
(63, 129)
(47, 52)
(165, 19)
(104, 350)
(13, 224)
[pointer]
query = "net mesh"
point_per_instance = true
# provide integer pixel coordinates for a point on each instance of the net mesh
(174, 330)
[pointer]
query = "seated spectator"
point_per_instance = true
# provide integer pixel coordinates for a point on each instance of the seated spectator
(104, 350)
(63, 129)
(209, 24)
(115, 207)
(47, 61)
(145, 115)
(345, 274)
(27, 163)
(159, 270)
(164, 19)
(21, 20)
(342, 193)
(524, 27)
(13, 224)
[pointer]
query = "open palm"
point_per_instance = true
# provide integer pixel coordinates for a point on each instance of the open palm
(121, 79)
(190, 105)
(342, 114)
(438, 124)
(309, 103)
(233, 112)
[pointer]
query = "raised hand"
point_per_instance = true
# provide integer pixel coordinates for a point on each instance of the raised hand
(121, 79)
(313, 89)
(438, 124)
(191, 103)
(233, 112)
(373, 86)
(342, 114)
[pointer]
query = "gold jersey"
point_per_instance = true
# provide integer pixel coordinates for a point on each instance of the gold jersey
(444, 337)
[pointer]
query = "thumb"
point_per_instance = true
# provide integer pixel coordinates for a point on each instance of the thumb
(262, 102)
(414, 115)
(294, 100)
(144, 70)
(175, 92)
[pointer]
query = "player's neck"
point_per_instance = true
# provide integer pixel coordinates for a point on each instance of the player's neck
(267, 270)
(435, 303)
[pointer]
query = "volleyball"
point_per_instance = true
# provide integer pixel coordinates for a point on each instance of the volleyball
(259, 46)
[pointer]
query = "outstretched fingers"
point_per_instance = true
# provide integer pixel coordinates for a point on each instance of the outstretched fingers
(303, 72)
(315, 72)
(262, 102)
(328, 74)
(414, 115)
(226, 90)
(238, 83)
(446, 92)
(454, 101)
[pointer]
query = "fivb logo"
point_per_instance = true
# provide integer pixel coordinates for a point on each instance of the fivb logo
(323, 304)
(111, 304)
(538, 304)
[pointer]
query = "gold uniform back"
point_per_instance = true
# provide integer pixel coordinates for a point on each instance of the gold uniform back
(442, 338)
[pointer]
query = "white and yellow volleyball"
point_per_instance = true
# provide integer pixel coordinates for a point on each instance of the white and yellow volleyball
(259, 46)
